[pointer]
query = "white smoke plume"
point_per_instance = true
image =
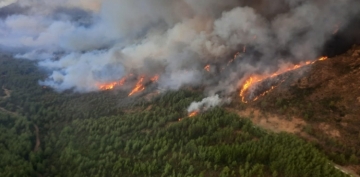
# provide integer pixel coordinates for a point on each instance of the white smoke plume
(207, 103)
(86, 42)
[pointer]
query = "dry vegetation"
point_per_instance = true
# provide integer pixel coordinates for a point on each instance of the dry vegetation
(320, 102)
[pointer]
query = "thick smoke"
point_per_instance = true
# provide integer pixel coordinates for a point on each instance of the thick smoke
(207, 103)
(86, 42)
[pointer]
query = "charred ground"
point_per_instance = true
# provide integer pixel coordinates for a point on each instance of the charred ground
(324, 97)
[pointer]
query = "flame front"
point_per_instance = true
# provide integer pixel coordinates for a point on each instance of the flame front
(246, 86)
(323, 58)
(155, 78)
(112, 85)
(233, 59)
(263, 94)
(255, 79)
(207, 68)
(194, 113)
(138, 87)
(267, 91)
(108, 86)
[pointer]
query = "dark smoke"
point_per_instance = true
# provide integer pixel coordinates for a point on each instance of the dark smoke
(344, 39)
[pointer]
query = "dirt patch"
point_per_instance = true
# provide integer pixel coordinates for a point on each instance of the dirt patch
(149, 108)
(132, 110)
(272, 122)
(276, 123)
(37, 144)
(350, 170)
(356, 53)
(327, 129)
(8, 112)
(344, 124)
(7, 92)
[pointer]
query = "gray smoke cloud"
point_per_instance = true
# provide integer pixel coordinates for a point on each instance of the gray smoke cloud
(207, 103)
(86, 42)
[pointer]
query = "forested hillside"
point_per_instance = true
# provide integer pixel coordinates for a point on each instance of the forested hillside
(44, 133)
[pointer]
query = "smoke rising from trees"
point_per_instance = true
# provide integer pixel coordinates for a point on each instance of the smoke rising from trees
(85, 42)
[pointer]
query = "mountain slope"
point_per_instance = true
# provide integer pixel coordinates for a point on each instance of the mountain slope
(68, 134)
(322, 104)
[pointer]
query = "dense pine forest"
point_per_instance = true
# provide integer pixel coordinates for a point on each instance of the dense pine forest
(45, 133)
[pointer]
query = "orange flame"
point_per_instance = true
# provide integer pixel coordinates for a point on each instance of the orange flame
(255, 79)
(155, 78)
(323, 58)
(194, 113)
(108, 86)
(112, 85)
(266, 92)
(247, 84)
(138, 87)
(236, 55)
(207, 68)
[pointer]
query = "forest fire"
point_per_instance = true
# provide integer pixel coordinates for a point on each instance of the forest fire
(155, 78)
(194, 113)
(247, 84)
(207, 68)
(108, 86)
(323, 58)
(112, 85)
(233, 59)
(138, 87)
(263, 94)
(266, 92)
(256, 79)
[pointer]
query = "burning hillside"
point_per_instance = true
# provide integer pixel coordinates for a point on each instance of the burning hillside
(250, 88)
(139, 85)
(318, 101)
(182, 43)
